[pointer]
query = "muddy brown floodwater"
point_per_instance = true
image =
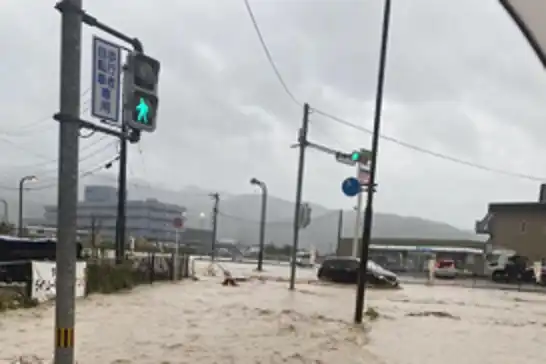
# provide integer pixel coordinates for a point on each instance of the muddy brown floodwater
(263, 322)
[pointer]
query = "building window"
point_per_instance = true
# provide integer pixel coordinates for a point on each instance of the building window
(523, 226)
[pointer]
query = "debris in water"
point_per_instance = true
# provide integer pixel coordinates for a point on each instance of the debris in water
(439, 314)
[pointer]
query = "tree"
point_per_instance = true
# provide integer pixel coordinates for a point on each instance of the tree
(6, 228)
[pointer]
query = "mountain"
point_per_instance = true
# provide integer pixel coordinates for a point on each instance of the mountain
(239, 219)
(239, 216)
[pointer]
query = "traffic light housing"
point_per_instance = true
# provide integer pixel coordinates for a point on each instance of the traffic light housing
(141, 101)
(362, 156)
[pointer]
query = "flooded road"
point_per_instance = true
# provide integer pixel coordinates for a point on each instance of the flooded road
(263, 322)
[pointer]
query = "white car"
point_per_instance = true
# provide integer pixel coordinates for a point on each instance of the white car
(445, 268)
(305, 259)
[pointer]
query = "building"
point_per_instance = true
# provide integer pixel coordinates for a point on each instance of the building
(412, 254)
(519, 226)
(149, 219)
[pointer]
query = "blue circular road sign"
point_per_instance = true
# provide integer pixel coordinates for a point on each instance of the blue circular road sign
(351, 187)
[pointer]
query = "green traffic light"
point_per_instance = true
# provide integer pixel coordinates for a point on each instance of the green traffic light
(355, 157)
(143, 110)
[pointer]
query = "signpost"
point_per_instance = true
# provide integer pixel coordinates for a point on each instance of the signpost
(351, 187)
(178, 224)
(106, 87)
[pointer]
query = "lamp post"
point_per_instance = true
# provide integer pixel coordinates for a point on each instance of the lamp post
(263, 186)
(202, 217)
(6, 211)
(21, 187)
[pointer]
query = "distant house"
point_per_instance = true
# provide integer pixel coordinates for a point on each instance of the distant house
(520, 226)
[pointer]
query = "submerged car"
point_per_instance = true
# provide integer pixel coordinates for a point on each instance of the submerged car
(345, 270)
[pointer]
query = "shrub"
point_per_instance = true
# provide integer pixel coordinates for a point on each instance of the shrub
(14, 297)
(106, 277)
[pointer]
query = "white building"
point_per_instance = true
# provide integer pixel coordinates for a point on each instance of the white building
(150, 219)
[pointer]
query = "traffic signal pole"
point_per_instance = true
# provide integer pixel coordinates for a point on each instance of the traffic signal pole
(68, 116)
(122, 197)
(302, 139)
(368, 212)
(67, 197)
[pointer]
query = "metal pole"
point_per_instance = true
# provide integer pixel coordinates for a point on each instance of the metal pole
(368, 213)
(216, 198)
(6, 210)
(71, 30)
(20, 219)
(358, 216)
(339, 230)
(262, 227)
(176, 252)
(301, 166)
(122, 191)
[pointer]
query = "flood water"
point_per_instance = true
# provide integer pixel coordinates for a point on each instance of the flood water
(261, 321)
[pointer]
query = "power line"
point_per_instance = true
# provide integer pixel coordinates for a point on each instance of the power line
(382, 136)
(83, 149)
(430, 152)
(17, 146)
(84, 158)
(268, 54)
(31, 125)
(87, 173)
(90, 155)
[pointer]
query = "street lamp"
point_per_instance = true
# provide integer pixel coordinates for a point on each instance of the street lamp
(263, 186)
(202, 217)
(21, 185)
(6, 210)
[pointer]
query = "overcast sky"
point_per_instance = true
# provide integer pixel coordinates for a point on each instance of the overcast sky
(461, 80)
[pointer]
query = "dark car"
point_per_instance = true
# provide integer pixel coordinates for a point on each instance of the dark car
(516, 269)
(345, 270)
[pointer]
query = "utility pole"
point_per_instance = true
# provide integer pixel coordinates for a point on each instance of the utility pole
(94, 230)
(368, 213)
(5, 218)
(302, 139)
(122, 196)
(216, 198)
(339, 230)
(69, 133)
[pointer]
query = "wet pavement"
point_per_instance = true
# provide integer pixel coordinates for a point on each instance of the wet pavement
(261, 321)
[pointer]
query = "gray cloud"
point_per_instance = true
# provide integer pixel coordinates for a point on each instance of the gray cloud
(460, 80)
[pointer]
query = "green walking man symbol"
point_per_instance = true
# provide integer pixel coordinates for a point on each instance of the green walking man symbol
(143, 111)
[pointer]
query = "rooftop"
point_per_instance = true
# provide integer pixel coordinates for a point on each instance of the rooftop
(512, 207)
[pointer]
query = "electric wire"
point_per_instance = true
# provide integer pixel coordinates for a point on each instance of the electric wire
(268, 54)
(21, 129)
(82, 175)
(400, 142)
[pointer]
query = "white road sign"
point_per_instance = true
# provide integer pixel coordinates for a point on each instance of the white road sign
(106, 87)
